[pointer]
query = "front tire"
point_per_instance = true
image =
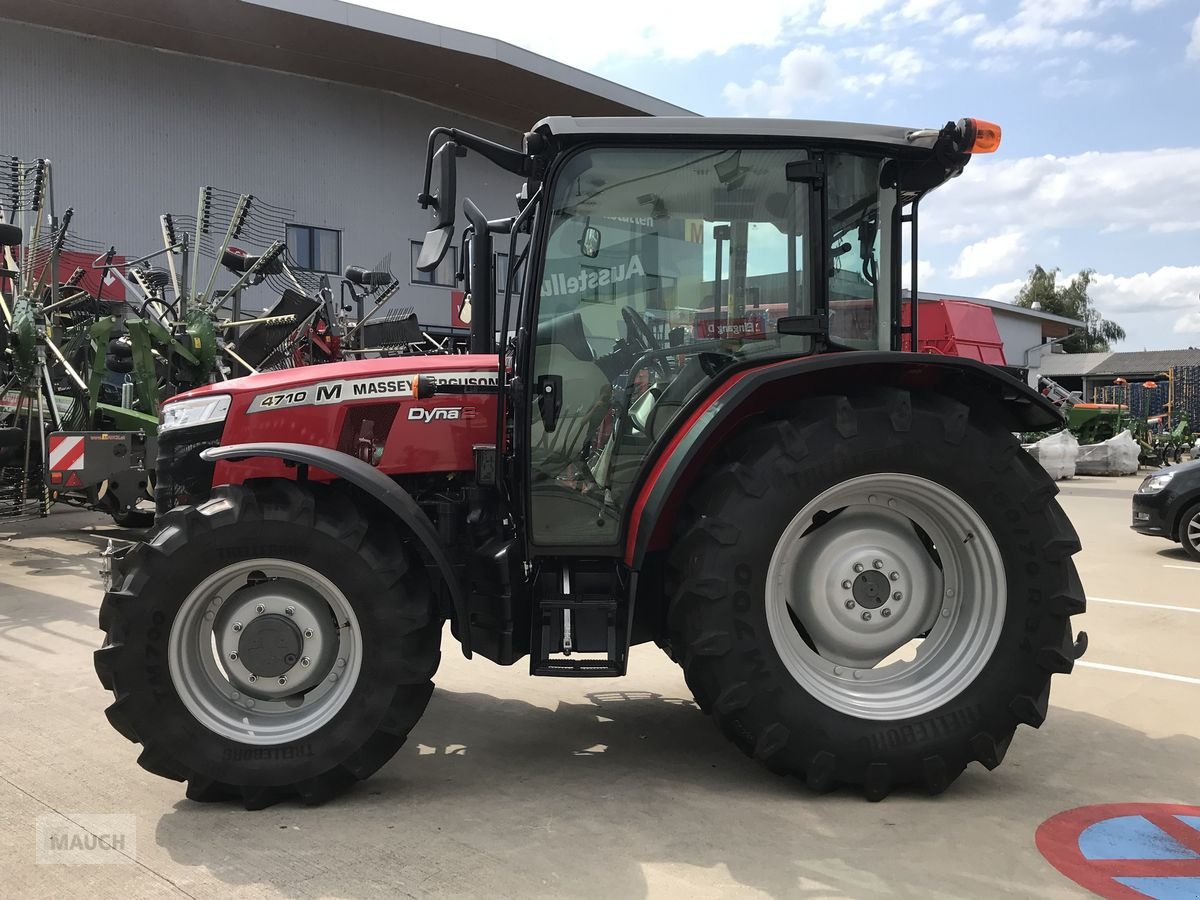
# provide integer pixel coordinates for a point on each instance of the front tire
(271, 642)
(1189, 531)
(938, 638)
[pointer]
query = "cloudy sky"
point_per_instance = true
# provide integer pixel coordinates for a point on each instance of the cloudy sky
(1099, 101)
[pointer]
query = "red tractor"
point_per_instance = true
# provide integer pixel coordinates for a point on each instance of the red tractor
(864, 578)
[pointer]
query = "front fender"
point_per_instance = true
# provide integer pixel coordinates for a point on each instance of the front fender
(379, 487)
(749, 391)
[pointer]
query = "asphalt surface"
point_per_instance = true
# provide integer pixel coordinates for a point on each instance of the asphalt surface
(512, 786)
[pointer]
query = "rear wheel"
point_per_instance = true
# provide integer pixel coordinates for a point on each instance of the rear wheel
(875, 592)
(271, 642)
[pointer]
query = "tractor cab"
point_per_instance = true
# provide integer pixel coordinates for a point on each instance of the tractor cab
(658, 257)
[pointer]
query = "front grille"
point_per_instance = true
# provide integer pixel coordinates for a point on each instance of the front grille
(182, 476)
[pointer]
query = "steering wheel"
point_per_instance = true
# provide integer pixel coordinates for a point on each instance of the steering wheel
(638, 330)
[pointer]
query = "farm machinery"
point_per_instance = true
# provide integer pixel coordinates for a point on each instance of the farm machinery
(864, 579)
(89, 422)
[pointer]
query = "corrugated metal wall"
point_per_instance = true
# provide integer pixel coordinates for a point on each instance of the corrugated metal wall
(133, 132)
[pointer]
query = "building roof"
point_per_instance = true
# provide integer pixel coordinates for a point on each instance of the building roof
(1073, 364)
(1141, 363)
(337, 41)
(1146, 362)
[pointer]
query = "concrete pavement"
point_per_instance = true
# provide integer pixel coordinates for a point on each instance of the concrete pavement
(513, 786)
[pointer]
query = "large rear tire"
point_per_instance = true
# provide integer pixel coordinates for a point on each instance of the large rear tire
(874, 592)
(272, 642)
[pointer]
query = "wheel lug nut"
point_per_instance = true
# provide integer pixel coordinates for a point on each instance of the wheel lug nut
(237, 626)
(866, 617)
(897, 596)
(291, 610)
(858, 567)
(308, 632)
(305, 661)
(260, 609)
(847, 584)
(253, 678)
(885, 613)
(878, 564)
(341, 663)
(283, 679)
(233, 655)
(895, 576)
(850, 604)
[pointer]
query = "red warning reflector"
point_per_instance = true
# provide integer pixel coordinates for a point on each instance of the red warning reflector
(74, 480)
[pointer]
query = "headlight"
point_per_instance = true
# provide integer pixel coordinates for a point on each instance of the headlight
(1155, 483)
(190, 413)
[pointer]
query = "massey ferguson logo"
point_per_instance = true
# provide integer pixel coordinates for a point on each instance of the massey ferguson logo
(440, 414)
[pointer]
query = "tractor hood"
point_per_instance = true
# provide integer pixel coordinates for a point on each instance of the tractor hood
(360, 379)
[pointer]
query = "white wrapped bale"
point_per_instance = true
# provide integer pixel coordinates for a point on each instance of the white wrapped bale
(1057, 454)
(1116, 456)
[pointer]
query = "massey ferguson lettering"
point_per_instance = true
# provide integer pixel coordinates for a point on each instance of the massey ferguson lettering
(324, 393)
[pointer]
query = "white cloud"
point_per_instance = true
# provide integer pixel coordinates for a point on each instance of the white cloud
(580, 36)
(1188, 324)
(850, 13)
(812, 72)
(1171, 287)
(1037, 26)
(1138, 190)
(966, 24)
(1005, 291)
(1031, 36)
(993, 254)
(807, 71)
(923, 10)
(1193, 49)
(925, 271)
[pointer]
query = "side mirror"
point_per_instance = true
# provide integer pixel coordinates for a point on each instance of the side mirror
(10, 235)
(589, 244)
(440, 195)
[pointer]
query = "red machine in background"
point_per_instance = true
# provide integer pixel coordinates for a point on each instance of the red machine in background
(957, 328)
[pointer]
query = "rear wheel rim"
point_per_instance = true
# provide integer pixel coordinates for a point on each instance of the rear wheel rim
(221, 671)
(853, 581)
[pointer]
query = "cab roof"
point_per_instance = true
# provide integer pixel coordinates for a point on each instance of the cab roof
(894, 138)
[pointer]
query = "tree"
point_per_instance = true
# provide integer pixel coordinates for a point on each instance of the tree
(1043, 292)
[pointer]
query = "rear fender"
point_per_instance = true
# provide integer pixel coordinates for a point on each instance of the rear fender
(378, 487)
(750, 392)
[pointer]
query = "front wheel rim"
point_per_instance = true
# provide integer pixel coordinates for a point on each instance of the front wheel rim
(867, 568)
(265, 651)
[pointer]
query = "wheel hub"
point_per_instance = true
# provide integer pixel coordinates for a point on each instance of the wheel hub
(275, 637)
(270, 645)
(871, 589)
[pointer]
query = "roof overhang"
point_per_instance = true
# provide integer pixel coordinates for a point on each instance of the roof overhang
(336, 41)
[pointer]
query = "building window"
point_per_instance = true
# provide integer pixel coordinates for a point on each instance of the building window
(500, 272)
(315, 249)
(442, 276)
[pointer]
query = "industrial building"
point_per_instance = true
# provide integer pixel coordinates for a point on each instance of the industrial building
(320, 107)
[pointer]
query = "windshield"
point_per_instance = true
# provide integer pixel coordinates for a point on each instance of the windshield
(664, 265)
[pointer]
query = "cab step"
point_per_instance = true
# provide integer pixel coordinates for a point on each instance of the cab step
(581, 629)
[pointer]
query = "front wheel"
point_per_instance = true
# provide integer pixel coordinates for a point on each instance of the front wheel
(272, 642)
(875, 592)
(1189, 531)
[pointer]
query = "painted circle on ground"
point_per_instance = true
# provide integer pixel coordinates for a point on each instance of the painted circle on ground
(1127, 850)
